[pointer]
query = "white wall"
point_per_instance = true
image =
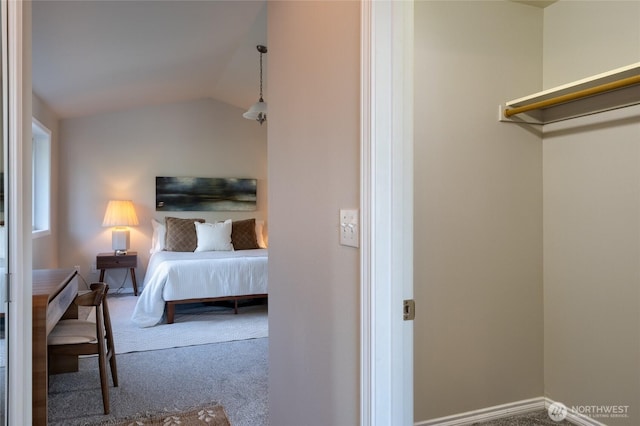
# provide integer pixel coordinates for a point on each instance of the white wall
(478, 208)
(118, 155)
(314, 86)
(45, 248)
(591, 218)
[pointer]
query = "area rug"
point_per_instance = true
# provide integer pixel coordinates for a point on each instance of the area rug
(195, 324)
(213, 415)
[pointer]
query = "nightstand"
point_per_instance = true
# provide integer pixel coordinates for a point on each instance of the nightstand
(111, 261)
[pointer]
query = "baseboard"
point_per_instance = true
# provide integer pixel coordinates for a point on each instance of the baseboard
(490, 413)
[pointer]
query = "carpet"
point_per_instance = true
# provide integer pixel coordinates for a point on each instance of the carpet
(231, 374)
(535, 418)
(212, 415)
(195, 324)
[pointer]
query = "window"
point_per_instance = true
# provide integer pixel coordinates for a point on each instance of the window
(41, 179)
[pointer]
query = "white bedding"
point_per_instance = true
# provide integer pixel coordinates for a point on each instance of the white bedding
(194, 275)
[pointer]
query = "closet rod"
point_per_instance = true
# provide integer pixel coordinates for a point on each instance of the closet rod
(618, 84)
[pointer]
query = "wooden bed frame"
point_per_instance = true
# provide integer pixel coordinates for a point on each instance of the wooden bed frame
(171, 304)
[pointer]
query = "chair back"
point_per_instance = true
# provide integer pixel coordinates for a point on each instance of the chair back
(63, 339)
(97, 298)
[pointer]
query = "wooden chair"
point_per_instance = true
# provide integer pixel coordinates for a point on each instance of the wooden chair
(83, 337)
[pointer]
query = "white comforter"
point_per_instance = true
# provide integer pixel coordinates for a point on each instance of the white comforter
(194, 275)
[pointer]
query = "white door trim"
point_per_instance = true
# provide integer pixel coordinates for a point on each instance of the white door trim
(386, 212)
(18, 72)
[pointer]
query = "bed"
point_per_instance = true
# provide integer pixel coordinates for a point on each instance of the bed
(210, 272)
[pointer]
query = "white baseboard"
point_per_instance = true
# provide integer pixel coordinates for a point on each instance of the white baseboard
(507, 410)
(486, 414)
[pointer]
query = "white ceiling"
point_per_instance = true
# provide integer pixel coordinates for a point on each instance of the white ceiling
(94, 56)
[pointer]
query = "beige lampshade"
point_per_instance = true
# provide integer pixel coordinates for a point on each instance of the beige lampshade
(120, 213)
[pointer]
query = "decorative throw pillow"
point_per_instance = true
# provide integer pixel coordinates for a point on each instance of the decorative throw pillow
(214, 236)
(243, 235)
(157, 240)
(180, 234)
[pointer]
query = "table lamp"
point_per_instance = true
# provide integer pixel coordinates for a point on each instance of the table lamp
(121, 214)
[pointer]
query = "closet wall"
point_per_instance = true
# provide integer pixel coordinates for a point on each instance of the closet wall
(592, 218)
(527, 243)
(478, 208)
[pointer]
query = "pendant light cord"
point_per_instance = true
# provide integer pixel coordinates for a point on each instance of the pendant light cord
(261, 77)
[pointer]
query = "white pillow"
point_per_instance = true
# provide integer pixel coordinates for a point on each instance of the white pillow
(157, 239)
(214, 236)
(259, 233)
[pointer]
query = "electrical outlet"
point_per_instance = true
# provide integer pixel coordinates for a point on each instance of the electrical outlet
(76, 267)
(94, 269)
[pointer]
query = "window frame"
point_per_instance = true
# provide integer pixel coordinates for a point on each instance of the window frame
(41, 179)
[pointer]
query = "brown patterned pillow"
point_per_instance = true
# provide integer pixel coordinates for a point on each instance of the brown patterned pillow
(243, 234)
(181, 234)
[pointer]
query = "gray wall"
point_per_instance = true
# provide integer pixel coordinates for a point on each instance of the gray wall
(591, 218)
(478, 208)
(585, 38)
(314, 86)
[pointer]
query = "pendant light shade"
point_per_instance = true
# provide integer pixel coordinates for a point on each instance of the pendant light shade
(258, 111)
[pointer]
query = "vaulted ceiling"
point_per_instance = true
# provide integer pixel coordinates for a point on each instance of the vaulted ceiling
(93, 56)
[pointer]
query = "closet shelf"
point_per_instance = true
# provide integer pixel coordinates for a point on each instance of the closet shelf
(615, 89)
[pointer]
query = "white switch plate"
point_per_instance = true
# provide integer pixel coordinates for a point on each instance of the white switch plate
(349, 227)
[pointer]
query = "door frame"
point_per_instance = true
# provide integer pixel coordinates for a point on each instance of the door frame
(386, 199)
(18, 177)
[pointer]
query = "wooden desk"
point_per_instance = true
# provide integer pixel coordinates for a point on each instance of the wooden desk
(53, 293)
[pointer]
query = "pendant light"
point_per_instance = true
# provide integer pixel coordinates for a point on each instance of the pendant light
(258, 111)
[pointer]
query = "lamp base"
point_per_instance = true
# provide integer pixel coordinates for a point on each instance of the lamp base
(120, 241)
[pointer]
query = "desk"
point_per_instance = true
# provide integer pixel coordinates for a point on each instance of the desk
(53, 293)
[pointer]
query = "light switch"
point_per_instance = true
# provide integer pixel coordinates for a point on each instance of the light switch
(349, 227)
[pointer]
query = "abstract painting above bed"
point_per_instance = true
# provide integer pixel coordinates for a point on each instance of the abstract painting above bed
(205, 194)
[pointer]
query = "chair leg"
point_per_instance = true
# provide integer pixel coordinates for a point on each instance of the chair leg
(104, 382)
(114, 368)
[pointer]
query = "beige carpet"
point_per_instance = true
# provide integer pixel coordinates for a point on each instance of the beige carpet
(212, 415)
